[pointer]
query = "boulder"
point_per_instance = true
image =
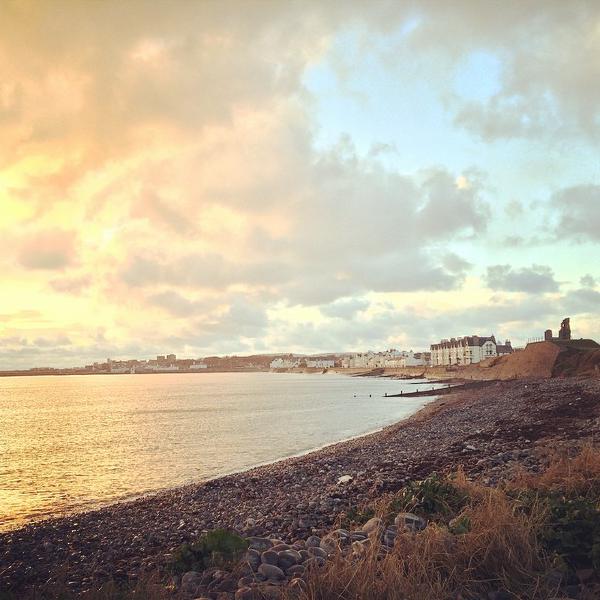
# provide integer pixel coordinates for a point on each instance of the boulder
(271, 571)
(190, 581)
(373, 526)
(269, 557)
(252, 557)
(409, 522)
(258, 543)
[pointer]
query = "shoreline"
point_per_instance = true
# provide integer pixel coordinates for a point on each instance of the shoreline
(148, 495)
(485, 431)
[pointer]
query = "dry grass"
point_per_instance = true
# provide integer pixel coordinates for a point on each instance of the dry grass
(499, 552)
(579, 475)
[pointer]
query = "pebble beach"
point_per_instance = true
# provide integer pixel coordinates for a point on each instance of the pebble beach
(487, 431)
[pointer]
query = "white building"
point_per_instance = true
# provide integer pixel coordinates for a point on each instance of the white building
(466, 350)
(320, 363)
(285, 363)
(198, 366)
(390, 359)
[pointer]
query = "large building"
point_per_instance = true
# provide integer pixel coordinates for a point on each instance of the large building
(467, 350)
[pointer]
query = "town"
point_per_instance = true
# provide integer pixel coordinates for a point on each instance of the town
(449, 353)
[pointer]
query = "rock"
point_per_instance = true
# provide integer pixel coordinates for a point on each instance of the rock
(409, 522)
(250, 523)
(313, 541)
(319, 552)
(258, 543)
(244, 593)
(330, 544)
(225, 584)
(281, 547)
(314, 562)
(271, 571)
(269, 557)
(360, 548)
(373, 526)
(295, 570)
(344, 479)
(389, 537)
(252, 557)
(287, 558)
(190, 581)
(305, 554)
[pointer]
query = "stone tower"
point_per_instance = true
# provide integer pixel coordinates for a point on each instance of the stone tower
(565, 330)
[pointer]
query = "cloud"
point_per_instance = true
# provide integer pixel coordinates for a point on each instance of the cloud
(578, 210)
(50, 250)
(588, 281)
(345, 308)
(536, 279)
(71, 285)
(176, 304)
(583, 300)
(177, 161)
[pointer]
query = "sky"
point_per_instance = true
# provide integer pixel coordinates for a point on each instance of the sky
(243, 177)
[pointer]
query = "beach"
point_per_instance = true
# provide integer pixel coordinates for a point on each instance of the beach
(488, 432)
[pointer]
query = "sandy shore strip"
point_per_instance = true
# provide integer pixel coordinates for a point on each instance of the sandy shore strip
(484, 430)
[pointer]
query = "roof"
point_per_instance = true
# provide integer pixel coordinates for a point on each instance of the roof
(468, 340)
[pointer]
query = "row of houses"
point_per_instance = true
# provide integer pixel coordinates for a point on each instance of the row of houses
(467, 350)
(390, 359)
(310, 363)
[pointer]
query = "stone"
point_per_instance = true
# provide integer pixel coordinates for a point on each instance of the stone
(295, 570)
(409, 522)
(252, 557)
(313, 540)
(190, 581)
(305, 554)
(319, 552)
(287, 558)
(280, 547)
(258, 543)
(330, 543)
(360, 548)
(344, 479)
(269, 557)
(373, 526)
(271, 571)
(244, 593)
(389, 537)
(314, 562)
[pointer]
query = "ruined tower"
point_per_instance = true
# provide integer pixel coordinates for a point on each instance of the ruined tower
(565, 330)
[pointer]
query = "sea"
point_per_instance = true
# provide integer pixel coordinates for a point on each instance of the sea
(75, 443)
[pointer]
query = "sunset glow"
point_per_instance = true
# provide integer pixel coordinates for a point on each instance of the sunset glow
(314, 177)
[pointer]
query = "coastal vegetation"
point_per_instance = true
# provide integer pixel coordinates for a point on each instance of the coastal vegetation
(534, 537)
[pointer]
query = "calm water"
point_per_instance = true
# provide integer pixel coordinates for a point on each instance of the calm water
(78, 442)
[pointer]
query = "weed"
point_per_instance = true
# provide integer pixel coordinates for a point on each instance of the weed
(215, 548)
